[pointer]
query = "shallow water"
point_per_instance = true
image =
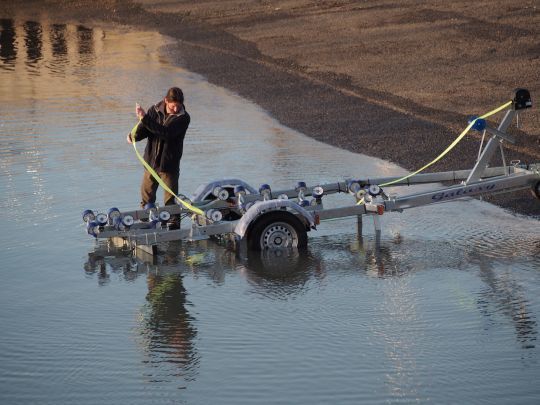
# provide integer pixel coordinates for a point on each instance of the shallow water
(445, 309)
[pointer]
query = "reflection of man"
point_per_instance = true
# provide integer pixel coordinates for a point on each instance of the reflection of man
(164, 126)
(167, 322)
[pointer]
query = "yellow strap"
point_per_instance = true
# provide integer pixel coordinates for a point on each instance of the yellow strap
(450, 147)
(156, 176)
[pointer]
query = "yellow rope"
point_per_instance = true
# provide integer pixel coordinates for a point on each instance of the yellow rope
(449, 148)
(156, 176)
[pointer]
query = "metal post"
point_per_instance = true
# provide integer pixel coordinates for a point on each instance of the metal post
(377, 225)
(482, 163)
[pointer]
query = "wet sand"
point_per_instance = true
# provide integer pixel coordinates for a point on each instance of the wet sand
(395, 80)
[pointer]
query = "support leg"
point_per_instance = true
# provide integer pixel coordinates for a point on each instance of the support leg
(377, 225)
(359, 225)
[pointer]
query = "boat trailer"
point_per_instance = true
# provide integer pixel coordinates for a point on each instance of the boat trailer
(269, 219)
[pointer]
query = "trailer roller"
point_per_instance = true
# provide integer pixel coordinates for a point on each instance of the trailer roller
(164, 216)
(265, 191)
(124, 222)
(374, 190)
(102, 219)
(112, 213)
(92, 228)
(317, 194)
(88, 215)
(214, 215)
(221, 193)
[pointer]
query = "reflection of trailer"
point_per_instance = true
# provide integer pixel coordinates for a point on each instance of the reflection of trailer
(276, 219)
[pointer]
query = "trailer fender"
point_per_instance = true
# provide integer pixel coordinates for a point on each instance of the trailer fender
(261, 207)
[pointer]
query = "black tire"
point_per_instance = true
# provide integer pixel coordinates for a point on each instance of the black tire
(275, 230)
(536, 190)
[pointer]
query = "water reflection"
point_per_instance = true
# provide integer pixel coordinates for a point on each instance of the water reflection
(504, 296)
(54, 54)
(33, 42)
(85, 38)
(166, 331)
(58, 40)
(282, 274)
(59, 48)
(8, 48)
(377, 258)
(102, 264)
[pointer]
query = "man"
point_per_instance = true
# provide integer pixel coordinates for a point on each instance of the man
(164, 126)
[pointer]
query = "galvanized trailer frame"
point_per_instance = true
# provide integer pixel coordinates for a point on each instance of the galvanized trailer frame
(285, 220)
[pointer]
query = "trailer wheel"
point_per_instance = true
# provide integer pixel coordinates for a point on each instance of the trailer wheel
(275, 230)
(536, 190)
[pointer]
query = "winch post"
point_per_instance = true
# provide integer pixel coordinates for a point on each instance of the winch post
(493, 144)
(522, 100)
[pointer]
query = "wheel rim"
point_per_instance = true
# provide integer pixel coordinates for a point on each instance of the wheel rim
(279, 235)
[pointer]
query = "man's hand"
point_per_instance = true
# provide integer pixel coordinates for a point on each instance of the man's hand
(128, 138)
(139, 111)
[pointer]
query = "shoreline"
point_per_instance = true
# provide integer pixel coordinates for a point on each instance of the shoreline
(326, 105)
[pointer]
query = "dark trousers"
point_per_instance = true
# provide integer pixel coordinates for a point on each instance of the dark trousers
(150, 185)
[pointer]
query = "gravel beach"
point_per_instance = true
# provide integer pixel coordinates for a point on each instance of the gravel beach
(394, 80)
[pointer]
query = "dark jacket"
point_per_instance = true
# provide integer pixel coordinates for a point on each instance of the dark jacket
(165, 137)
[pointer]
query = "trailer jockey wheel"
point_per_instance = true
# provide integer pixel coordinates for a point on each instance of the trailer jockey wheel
(276, 230)
(536, 190)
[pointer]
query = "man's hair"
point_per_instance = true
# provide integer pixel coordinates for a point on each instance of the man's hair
(175, 94)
